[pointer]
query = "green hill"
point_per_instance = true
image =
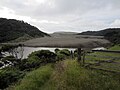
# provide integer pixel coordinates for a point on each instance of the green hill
(11, 29)
(112, 34)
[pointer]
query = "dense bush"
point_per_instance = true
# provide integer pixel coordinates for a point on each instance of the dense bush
(62, 54)
(65, 52)
(8, 76)
(41, 57)
(31, 62)
(57, 50)
(76, 53)
(113, 36)
(22, 65)
(8, 48)
(37, 58)
(1, 64)
(44, 56)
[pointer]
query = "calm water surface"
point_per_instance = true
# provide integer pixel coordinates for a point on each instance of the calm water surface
(29, 50)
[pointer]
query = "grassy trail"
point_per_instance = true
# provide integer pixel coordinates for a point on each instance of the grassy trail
(68, 75)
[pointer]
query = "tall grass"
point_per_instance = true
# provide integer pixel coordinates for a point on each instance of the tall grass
(116, 47)
(35, 79)
(75, 77)
(69, 75)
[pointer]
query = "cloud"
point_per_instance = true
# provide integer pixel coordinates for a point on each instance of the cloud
(115, 23)
(68, 15)
(9, 13)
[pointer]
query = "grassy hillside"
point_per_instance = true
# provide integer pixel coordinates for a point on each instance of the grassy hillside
(11, 29)
(112, 34)
(68, 75)
(116, 47)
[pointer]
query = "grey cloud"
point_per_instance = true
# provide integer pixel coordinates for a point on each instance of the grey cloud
(73, 15)
(61, 6)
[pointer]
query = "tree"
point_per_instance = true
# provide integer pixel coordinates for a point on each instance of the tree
(13, 50)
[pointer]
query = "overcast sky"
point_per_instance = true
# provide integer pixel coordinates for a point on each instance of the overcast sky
(64, 15)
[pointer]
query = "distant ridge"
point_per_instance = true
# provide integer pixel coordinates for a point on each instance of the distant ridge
(64, 32)
(11, 29)
(112, 34)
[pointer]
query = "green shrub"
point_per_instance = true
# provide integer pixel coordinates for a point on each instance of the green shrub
(32, 62)
(44, 56)
(8, 48)
(37, 58)
(9, 76)
(76, 53)
(62, 54)
(22, 65)
(65, 52)
(57, 50)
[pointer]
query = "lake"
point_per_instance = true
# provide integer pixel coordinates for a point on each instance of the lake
(29, 50)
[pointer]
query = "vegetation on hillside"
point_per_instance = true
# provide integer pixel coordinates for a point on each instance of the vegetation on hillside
(112, 34)
(12, 68)
(11, 29)
(9, 76)
(45, 70)
(115, 47)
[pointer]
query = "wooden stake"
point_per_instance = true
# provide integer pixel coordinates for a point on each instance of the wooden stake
(79, 54)
(83, 58)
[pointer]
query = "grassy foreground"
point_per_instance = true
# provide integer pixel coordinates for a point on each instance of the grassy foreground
(105, 60)
(68, 75)
(116, 47)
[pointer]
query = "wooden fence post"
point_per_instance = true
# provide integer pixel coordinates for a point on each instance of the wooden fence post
(84, 57)
(79, 54)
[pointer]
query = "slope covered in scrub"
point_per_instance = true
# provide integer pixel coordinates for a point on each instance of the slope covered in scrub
(11, 29)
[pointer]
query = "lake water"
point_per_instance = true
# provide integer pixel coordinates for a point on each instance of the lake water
(99, 48)
(29, 50)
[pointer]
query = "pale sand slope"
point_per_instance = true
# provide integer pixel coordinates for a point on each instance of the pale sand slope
(70, 41)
